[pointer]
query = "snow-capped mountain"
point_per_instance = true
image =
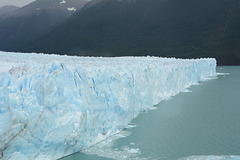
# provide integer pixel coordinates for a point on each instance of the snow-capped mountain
(22, 25)
(38, 6)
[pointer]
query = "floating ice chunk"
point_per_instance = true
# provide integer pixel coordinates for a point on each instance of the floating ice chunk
(62, 2)
(211, 78)
(131, 126)
(186, 91)
(222, 74)
(212, 157)
(72, 9)
(132, 150)
(153, 108)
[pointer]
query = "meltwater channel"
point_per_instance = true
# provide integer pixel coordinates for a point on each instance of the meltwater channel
(201, 123)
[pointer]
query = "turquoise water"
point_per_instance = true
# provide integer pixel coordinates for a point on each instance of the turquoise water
(201, 123)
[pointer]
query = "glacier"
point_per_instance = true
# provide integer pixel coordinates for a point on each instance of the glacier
(52, 106)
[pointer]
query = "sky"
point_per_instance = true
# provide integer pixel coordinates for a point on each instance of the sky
(18, 3)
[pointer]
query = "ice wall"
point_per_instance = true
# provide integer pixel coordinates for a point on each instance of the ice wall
(52, 106)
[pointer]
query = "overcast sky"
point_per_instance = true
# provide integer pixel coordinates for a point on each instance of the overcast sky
(18, 3)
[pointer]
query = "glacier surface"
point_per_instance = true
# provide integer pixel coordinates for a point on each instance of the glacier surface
(52, 106)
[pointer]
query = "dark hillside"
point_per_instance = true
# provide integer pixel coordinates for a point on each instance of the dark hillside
(21, 26)
(179, 28)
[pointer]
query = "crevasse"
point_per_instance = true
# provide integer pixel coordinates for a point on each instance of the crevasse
(52, 106)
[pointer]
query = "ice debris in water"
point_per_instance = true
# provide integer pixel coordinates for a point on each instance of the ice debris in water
(212, 157)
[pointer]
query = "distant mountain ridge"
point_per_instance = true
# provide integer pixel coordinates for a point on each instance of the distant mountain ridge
(171, 28)
(179, 28)
(24, 24)
(54, 5)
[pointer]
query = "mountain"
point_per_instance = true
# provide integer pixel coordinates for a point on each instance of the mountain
(24, 24)
(7, 9)
(179, 28)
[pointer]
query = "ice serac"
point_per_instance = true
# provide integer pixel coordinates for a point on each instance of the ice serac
(52, 106)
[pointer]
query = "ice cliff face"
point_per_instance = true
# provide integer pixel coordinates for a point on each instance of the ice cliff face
(52, 106)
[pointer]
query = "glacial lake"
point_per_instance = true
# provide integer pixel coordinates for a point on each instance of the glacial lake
(201, 123)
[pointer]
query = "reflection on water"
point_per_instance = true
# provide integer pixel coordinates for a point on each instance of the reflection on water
(202, 123)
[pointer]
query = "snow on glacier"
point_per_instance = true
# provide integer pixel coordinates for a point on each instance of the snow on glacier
(52, 106)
